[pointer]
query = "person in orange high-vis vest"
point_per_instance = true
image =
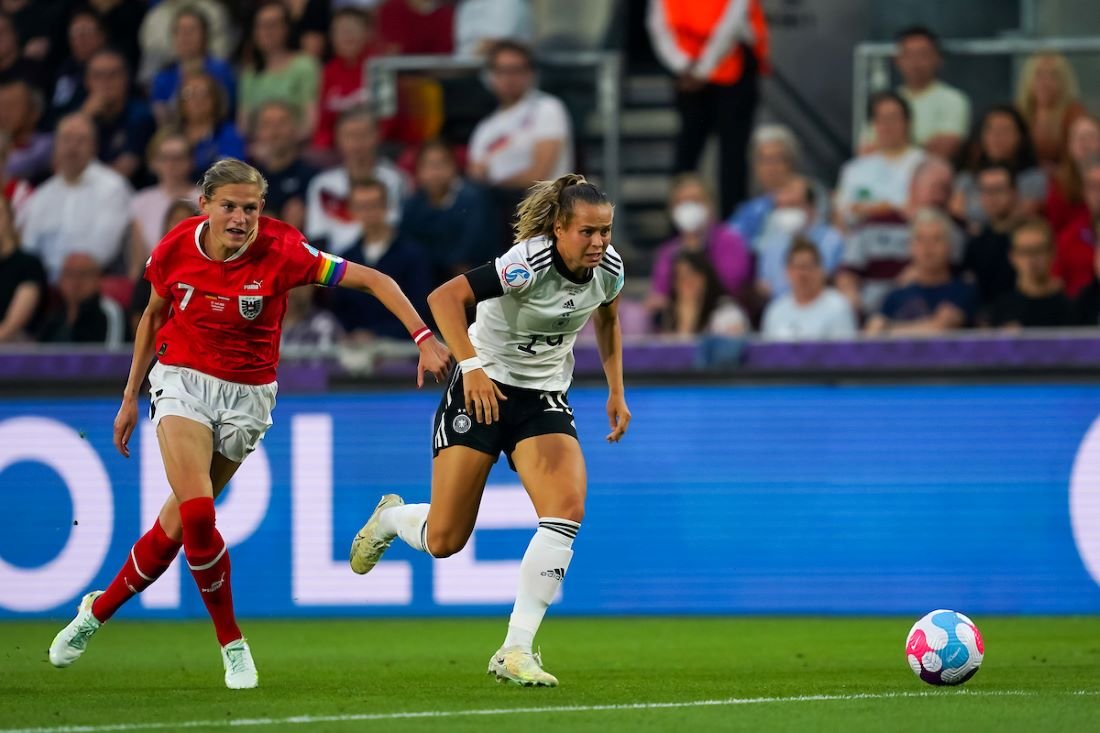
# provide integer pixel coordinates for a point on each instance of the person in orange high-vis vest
(716, 48)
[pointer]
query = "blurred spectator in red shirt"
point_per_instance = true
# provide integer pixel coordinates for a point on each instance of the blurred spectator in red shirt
(343, 84)
(1077, 241)
(16, 191)
(408, 27)
(1064, 200)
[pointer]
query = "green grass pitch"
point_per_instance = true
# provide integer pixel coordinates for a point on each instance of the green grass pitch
(791, 674)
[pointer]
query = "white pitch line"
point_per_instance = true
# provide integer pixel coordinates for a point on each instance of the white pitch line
(360, 717)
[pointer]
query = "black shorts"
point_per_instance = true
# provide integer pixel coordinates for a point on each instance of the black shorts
(525, 414)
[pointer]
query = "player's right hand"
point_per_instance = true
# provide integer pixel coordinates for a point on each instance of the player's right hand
(482, 396)
(435, 359)
(125, 421)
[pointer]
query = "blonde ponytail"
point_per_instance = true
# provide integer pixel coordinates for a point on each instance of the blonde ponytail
(548, 202)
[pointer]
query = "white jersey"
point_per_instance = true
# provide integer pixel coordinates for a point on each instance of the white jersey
(525, 337)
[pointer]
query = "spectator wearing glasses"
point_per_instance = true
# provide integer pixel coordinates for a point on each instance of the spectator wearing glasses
(1038, 298)
(987, 253)
(1001, 136)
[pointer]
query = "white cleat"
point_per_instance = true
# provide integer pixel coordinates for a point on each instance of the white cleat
(72, 640)
(240, 670)
(369, 545)
(520, 668)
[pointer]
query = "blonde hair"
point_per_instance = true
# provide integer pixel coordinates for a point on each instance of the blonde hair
(548, 202)
(1025, 99)
(229, 171)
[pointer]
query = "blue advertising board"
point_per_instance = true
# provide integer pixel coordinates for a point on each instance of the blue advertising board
(837, 500)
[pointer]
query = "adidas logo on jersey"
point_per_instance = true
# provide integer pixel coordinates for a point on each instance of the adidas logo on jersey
(557, 574)
(568, 304)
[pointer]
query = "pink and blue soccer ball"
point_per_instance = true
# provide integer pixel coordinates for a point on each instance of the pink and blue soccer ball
(944, 648)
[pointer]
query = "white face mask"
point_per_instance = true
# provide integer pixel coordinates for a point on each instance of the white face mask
(689, 216)
(789, 219)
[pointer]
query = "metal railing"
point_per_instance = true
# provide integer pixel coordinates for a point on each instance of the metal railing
(871, 70)
(383, 71)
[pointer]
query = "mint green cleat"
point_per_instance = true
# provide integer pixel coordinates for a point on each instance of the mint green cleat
(369, 545)
(520, 668)
(240, 670)
(72, 641)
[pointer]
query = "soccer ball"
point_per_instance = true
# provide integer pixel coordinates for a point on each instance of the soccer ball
(944, 648)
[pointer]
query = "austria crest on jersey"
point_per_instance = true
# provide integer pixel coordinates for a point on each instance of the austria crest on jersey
(250, 305)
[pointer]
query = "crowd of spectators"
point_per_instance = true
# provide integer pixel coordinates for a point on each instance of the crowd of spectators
(935, 225)
(110, 110)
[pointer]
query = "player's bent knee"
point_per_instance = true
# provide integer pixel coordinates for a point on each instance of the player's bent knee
(443, 543)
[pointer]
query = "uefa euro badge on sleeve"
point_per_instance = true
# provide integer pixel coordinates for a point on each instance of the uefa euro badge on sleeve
(250, 305)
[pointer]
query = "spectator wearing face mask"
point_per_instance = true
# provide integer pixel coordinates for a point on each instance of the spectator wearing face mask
(796, 215)
(691, 206)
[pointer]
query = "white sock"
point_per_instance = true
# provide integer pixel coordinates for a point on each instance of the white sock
(409, 522)
(541, 573)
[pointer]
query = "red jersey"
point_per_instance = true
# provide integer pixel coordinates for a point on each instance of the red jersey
(226, 317)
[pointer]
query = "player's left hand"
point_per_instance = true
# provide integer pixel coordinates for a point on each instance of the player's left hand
(435, 358)
(618, 415)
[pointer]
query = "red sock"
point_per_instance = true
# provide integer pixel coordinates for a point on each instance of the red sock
(208, 559)
(148, 559)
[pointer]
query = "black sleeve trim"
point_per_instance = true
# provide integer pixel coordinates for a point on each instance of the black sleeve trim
(484, 282)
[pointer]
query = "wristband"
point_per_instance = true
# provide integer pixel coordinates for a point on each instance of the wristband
(422, 335)
(468, 365)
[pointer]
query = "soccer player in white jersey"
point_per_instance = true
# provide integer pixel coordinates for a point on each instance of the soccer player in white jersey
(508, 394)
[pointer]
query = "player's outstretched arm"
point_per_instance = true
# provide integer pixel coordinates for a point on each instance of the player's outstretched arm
(434, 357)
(609, 340)
(151, 321)
(449, 303)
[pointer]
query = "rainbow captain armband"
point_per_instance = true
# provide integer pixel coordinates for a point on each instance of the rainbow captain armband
(422, 334)
(330, 270)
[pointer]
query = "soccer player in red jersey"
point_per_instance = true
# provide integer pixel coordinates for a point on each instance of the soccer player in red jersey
(214, 320)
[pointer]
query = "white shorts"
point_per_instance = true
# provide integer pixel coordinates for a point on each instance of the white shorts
(237, 414)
